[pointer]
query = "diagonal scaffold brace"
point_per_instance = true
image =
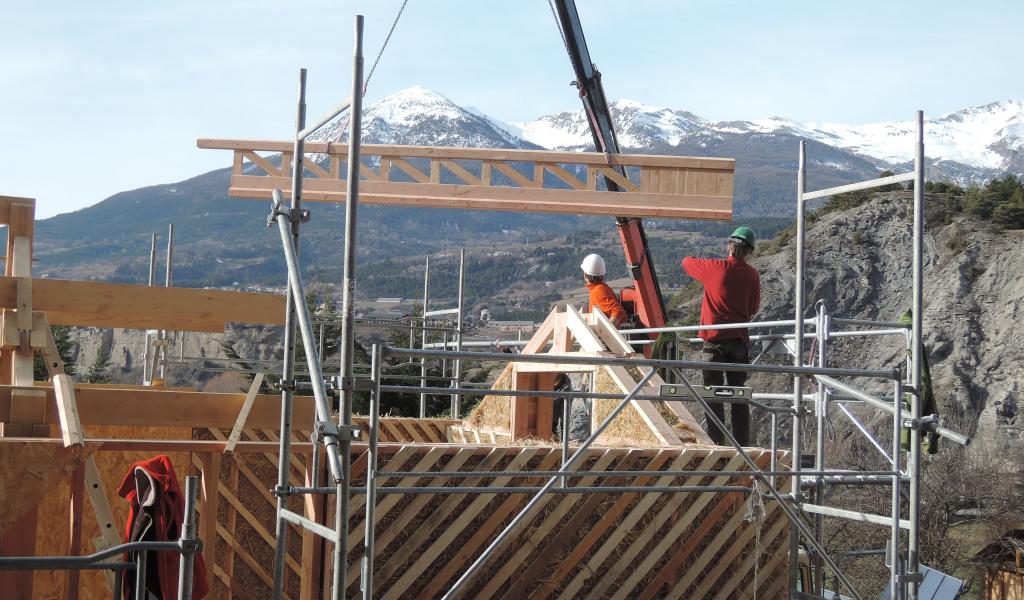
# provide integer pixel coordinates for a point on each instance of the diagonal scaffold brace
(326, 431)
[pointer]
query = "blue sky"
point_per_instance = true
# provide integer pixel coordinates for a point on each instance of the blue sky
(104, 96)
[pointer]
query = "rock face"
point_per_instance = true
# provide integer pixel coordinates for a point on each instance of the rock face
(859, 265)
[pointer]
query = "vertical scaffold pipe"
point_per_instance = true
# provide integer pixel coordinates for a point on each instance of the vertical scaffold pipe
(146, 375)
(822, 325)
(168, 275)
(457, 367)
(798, 352)
(914, 538)
(371, 474)
(288, 366)
(347, 307)
(186, 565)
(423, 342)
(895, 567)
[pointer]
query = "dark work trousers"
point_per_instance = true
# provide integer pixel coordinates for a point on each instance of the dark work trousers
(728, 351)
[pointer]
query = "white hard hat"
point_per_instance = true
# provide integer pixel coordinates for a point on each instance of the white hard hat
(593, 265)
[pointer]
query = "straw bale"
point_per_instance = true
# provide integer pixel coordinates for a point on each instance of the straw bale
(494, 412)
(629, 425)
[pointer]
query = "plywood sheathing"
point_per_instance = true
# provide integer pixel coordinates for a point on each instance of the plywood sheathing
(28, 472)
(52, 536)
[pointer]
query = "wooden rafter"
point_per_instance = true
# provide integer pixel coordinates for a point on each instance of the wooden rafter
(100, 304)
(560, 182)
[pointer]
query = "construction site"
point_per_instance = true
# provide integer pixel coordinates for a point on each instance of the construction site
(291, 494)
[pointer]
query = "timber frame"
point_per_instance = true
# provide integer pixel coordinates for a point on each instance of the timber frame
(231, 439)
(679, 187)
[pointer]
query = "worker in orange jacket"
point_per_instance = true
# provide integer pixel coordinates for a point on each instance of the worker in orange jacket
(601, 296)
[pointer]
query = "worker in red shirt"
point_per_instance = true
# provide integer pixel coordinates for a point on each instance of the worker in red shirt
(732, 294)
(601, 296)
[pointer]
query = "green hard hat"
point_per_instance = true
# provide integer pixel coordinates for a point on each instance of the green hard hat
(745, 234)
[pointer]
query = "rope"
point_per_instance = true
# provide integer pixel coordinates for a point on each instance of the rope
(387, 39)
(558, 24)
(376, 61)
(756, 514)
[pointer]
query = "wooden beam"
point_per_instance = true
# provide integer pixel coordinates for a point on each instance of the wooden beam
(443, 195)
(503, 154)
(170, 408)
(100, 304)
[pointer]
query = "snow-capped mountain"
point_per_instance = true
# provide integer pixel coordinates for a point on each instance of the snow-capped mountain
(637, 126)
(422, 117)
(973, 143)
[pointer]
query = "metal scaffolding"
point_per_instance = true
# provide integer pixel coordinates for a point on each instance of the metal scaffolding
(805, 511)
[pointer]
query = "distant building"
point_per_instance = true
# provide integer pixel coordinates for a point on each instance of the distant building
(389, 300)
(1003, 561)
(485, 314)
(513, 325)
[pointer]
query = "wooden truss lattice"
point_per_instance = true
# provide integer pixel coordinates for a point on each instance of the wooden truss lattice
(513, 180)
(570, 333)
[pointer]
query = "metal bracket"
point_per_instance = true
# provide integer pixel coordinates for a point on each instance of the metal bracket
(926, 423)
(343, 433)
(281, 491)
(349, 384)
(286, 385)
(911, 578)
(194, 546)
(294, 215)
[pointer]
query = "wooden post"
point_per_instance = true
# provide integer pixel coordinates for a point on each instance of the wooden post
(231, 520)
(26, 408)
(312, 548)
(77, 493)
(208, 508)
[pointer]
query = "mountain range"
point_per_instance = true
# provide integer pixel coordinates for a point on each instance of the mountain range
(215, 234)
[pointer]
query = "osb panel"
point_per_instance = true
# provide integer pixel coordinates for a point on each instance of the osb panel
(52, 536)
(629, 425)
(28, 471)
(494, 412)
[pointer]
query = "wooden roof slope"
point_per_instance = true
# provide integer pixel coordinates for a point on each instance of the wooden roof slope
(680, 187)
(568, 332)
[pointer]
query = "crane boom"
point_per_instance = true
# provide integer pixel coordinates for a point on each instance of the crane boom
(646, 293)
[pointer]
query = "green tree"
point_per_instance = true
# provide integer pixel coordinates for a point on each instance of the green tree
(97, 372)
(65, 349)
(892, 187)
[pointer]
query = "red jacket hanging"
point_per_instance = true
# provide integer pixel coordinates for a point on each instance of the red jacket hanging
(168, 513)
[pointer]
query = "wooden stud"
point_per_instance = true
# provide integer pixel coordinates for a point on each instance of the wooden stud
(67, 410)
(243, 413)
(610, 522)
(542, 545)
(637, 569)
(211, 464)
(109, 533)
(442, 539)
(76, 491)
(470, 548)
